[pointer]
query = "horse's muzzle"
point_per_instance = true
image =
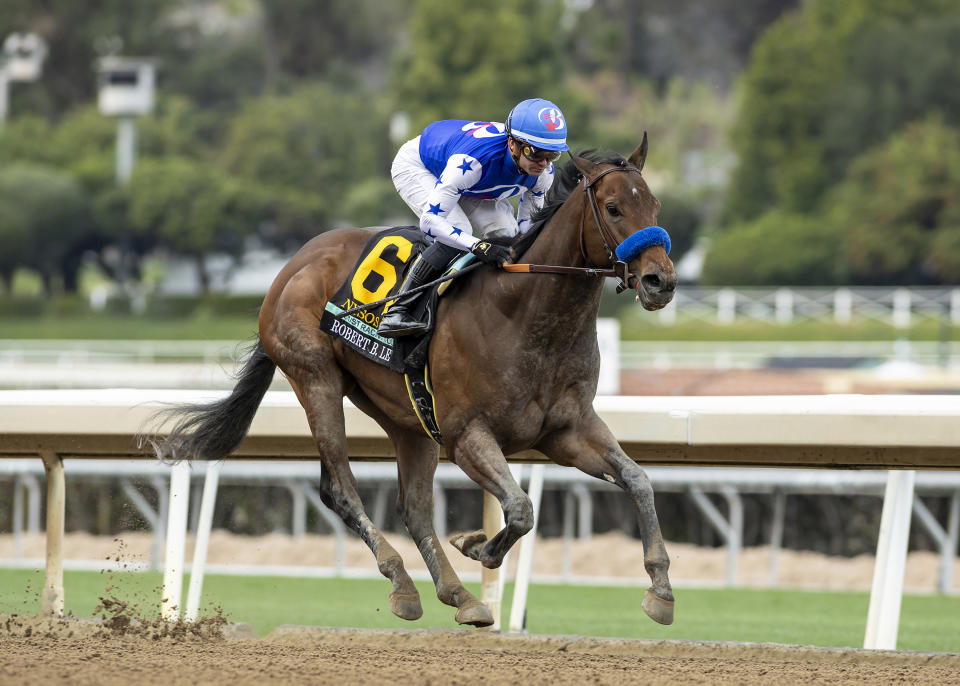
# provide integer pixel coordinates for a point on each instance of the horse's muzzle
(655, 289)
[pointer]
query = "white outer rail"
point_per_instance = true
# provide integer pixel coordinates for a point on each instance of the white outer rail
(842, 431)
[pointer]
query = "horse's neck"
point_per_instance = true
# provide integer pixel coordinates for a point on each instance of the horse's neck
(559, 241)
(565, 302)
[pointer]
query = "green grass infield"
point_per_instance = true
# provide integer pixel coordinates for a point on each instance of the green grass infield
(818, 618)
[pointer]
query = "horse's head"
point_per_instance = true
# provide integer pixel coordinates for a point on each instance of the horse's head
(619, 227)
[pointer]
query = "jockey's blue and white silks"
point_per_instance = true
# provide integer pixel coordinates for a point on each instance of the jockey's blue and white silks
(640, 240)
(472, 176)
(474, 152)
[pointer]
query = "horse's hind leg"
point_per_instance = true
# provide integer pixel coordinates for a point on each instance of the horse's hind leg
(338, 490)
(479, 456)
(591, 448)
(417, 463)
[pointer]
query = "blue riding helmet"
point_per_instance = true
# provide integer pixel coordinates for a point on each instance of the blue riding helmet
(540, 123)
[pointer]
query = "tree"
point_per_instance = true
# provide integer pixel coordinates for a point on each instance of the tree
(791, 139)
(45, 222)
(189, 208)
(899, 207)
(477, 60)
(679, 216)
(306, 151)
(14, 238)
(305, 38)
(896, 75)
(205, 50)
(662, 40)
(778, 249)
(685, 120)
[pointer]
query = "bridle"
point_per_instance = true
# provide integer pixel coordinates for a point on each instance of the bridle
(618, 268)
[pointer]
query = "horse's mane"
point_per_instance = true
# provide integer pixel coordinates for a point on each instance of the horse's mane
(565, 180)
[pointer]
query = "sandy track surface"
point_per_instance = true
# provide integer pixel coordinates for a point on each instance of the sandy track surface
(44, 651)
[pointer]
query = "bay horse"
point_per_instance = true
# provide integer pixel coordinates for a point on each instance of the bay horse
(514, 363)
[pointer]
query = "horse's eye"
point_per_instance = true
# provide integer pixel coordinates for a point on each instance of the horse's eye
(612, 210)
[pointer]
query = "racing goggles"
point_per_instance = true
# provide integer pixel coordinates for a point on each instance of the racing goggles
(537, 155)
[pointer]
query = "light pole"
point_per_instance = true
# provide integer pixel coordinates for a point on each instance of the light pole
(21, 59)
(126, 91)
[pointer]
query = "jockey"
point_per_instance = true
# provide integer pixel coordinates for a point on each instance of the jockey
(458, 176)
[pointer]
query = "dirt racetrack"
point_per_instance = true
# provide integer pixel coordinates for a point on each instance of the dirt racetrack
(43, 651)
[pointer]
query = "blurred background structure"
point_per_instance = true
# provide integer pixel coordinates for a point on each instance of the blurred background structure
(161, 159)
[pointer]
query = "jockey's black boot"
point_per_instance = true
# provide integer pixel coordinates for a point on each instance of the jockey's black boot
(399, 321)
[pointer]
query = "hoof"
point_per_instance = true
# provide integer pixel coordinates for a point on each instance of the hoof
(474, 615)
(406, 605)
(470, 544)
(657, 609)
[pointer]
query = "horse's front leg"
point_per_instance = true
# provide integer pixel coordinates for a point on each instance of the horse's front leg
(591, 448)
(417, 463)
(477, 453)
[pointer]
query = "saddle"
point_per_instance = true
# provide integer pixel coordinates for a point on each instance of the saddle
(378, 274)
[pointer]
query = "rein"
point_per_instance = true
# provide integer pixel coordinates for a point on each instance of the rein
(556, 269)
(620, 269)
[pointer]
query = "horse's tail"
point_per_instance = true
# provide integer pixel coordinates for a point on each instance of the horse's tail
(212, 431)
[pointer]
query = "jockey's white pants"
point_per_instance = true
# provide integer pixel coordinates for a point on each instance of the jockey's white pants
(414, 182)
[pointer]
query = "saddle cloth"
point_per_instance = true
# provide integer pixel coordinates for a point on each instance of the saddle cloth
(378, 274)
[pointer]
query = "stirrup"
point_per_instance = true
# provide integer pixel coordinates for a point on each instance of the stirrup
(399, 322)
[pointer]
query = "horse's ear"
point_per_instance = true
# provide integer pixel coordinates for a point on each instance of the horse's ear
(586, 167)
(639, 155)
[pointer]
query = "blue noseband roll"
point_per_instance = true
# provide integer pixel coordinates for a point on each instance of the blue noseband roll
(641, 240)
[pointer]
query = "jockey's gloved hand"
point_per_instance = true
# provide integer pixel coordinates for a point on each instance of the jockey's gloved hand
(491, 253)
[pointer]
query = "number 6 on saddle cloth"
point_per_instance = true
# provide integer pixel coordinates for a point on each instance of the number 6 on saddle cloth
(377, 275)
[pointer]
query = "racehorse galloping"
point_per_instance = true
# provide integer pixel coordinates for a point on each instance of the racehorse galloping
(514, 363)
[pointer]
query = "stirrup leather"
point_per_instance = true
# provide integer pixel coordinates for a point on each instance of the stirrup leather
(397, 319)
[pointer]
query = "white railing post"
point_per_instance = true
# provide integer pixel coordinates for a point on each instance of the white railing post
(521, 584)
(776, 534)
(52, 602)
(608, 340)
(18, 517)
(842, 306)
(784, 305)
(491, 588)
(886, 593)
(726, 306)
(204, 524)
(901, 308)
(176, 541)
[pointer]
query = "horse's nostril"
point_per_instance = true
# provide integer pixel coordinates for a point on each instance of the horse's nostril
(651, 283)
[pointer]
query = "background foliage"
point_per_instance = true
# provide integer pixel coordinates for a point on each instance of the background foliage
(793, 143)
